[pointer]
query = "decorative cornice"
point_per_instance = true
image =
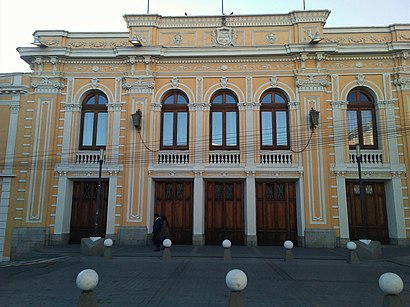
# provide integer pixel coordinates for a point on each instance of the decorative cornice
(199, 106)
(291, 18)
(139, 87)
(47, 86)
(13, 90)
(72, 107)
(248, 106)
(312, 83)
(114, 106)
(385, 104)
(341, 104)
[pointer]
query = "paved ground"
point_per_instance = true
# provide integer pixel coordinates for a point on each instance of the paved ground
(195, 276)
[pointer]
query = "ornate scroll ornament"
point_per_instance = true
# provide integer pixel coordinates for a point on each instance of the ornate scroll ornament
(402, 83)
(224, 82)
(174, 82)
(47, 86)
(274, 81)
(94, 83)
(360, 79)
(224, 37)
(140, 86)
(312, 83)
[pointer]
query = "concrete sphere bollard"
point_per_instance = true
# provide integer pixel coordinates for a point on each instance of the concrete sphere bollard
(166, 255)
(352, 258)
(236, 280)
(288, 247)
(167, 243)
(108, 243)
(392, 285)
(87, 280)
(226, 244)
(351, 246)
(288, 244)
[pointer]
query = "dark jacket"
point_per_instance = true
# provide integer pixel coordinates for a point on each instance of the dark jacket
(157, 226)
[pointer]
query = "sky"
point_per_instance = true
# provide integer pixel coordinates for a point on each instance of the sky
(19, 19)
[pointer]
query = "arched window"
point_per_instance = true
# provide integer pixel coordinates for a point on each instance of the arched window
(94, 121)
(361, 119)
(174, 121)
(274, 120)
(224, 121)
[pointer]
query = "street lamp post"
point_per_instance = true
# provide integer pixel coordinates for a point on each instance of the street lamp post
(97, 207)
(362, 206)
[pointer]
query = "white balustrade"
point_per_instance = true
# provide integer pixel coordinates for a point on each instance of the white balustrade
(274, 157)
(369, 157)
(88, 157)
(225, 157)
(173, 157)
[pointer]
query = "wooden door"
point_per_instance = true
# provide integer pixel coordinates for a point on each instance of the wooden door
(375, 206)
(174, 200)
(224, 211)
(83, 210)
(276, 212)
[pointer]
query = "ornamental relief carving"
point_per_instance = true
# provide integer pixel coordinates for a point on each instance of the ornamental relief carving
(97, 44)
(46, 85)
(357, 64)
(224, 37)
(230, 67)
(94, 68)
(342, 40)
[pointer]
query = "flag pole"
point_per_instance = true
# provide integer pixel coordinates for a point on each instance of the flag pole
(148, 7)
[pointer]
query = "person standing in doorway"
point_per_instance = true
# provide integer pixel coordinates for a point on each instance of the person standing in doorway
(156, 232)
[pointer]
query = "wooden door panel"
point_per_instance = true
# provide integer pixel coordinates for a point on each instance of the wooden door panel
(276, 212)
(174, 200)
(83, 210)
(375, 206)
(224, 212)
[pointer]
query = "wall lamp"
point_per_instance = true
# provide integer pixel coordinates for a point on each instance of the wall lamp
(37, 41)
(313, 118)
(136, 41)
(314, 39)
(137, 119)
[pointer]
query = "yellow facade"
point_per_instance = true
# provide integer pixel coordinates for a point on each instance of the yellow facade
(41, 159)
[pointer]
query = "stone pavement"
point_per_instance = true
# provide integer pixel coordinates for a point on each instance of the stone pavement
(195, 276)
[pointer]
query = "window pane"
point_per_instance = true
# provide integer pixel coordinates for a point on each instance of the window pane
(230, 128)
(181, 100)
(281, 129)
(351, 97)
(364, 97)
(367, 127)
(102, 99)
(267, 129)
(102, 129)
(91, 100)
(279, 99)
(267, 98)
(217, 99)
(217, 128)
(88, 129)
(168, 129)
(352, 128)
(182, 128)
(229, 99)
(169, 100)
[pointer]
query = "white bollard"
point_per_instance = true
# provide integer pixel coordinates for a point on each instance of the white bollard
(392, 285)
(166, 255)
(226, 244)
(236, 280)
(288, 253)
(108, 251)
(87, 280)
(352, 258)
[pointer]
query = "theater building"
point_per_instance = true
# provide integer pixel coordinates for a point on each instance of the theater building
(245, 129)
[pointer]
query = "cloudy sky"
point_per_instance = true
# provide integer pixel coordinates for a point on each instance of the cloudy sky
(19, 19)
